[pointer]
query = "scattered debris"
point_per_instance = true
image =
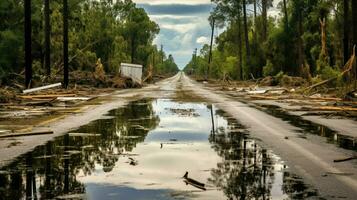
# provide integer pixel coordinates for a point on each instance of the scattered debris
(25, 134)
(46, 96)
(72, 196)
(193, 182)
(133, 162)
(340, 173)
(14, 143)
(7, 95)
(351, 96)
(99, 73)
(347, 68)
(184, 112)
(42, 88)
(74, 98)
(83, 135)
(345, 159)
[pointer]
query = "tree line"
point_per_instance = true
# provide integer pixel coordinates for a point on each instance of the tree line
(114, 31)
(312, 39)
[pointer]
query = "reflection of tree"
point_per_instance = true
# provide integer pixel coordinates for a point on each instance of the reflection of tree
(295, 187)
(242, 174)
(247, 170)
(58, 163)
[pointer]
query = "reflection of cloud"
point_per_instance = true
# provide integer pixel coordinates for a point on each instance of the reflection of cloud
(202, 40)
(161, 168)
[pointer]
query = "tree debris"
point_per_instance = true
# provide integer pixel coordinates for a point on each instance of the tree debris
(345, 159)
(347, 68)
(42, 88)
(26, 134)
(193, 182)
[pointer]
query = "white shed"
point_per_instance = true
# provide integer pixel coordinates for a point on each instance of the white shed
(132, 71)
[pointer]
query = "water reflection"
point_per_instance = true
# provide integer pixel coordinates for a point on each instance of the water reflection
(251, 172)
(54, 168)
(308, 127)
(143, 150)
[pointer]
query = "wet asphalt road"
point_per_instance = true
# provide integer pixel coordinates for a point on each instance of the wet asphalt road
(310, 159)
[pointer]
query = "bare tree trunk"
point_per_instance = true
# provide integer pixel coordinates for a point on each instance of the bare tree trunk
(133, 49)
(346, 30)
(323, 38)
(354, 23)
(239, 38)
(286, 29)
(47, 38)
(28, 57)
(286, 17)
(210, 48)
(162, 54)
(300, 48)
(258, 71)
(265, 18)
(246, 35)
(65, 43)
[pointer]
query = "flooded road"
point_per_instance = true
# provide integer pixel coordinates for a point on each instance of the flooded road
(142, 151)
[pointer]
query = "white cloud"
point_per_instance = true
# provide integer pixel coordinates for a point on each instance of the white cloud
(158, 17)
(202, 40)
(181, 28)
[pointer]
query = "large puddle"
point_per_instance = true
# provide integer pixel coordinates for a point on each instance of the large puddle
(143, 150)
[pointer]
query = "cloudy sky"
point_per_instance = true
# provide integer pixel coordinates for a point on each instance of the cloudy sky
(183, 25)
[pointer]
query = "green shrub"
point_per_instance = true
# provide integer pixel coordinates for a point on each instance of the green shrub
(268, 69)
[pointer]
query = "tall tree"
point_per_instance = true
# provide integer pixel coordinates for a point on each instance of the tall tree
(210, 47)
(346, 30)
(65, 43)
(47, 37)
(265, 19)
(246, 37)
(239, 38)
(286, 17)
(354, 21)
(28, 40)
(354, 24)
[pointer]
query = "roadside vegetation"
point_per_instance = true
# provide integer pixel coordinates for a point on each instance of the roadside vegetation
(101, 34)
(311, 40)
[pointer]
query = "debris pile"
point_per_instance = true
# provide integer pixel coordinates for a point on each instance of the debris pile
(184, 112)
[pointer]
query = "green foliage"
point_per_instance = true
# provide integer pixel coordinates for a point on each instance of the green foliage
(293, 39)
(328, 72)
(268, 69)
(115, 31)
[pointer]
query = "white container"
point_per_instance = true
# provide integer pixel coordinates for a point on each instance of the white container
(132, 71)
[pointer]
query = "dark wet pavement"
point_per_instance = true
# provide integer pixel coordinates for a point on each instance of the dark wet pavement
(142, 151)
(308, 128)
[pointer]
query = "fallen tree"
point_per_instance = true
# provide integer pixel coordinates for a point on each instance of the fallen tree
(347, 68)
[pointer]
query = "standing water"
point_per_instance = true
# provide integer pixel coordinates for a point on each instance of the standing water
(143, 150)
